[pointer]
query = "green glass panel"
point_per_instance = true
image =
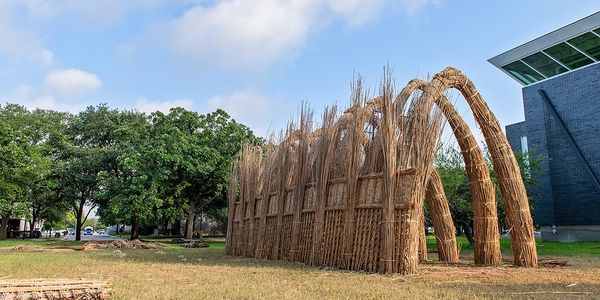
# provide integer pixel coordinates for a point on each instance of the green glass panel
(597, 31)
(544, 64)
(568, 55)
(522, 72)
(588, 43)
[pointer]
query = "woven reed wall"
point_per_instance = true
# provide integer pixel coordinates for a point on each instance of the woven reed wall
(334, 196)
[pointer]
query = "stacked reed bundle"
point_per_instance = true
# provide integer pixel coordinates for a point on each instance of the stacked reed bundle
(54, 289)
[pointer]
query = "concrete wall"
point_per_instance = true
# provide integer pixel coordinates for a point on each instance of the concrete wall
(565, 194)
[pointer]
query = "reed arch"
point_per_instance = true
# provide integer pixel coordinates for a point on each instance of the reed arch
(349, 194)
(483, 197)
(503, 159)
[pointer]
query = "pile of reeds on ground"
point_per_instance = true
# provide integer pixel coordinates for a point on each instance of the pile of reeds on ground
(54, 289)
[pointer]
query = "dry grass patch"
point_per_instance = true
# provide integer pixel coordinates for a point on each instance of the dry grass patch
(180, 273)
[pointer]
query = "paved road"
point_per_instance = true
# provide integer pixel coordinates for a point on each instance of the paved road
(92, 238)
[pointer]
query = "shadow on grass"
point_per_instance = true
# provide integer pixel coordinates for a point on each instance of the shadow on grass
(553, 290)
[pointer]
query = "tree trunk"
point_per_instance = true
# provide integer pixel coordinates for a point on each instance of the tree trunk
(135, 233)
(468, 230)
(189, 223)
(79, 219)
(165, 225)
(176, 229)
(78, 227)
(3, 227)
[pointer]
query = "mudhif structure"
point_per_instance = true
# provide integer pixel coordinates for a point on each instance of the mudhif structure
(350, 194)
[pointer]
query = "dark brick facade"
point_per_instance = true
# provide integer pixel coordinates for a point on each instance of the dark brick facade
(565, 194)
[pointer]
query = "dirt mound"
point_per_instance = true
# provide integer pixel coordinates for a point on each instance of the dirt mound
(23, 248)
(196, 245)
(122, 244)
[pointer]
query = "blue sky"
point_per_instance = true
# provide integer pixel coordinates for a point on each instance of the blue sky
(258, 59)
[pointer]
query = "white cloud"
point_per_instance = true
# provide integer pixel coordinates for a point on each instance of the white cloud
(24, 46)
(245, 34)
(356, 12)
(253, 110)
(24, 91)
(72, 83)
(56, 91)
(149, 106)
(49, 102)
(242, 33)
(411, 7)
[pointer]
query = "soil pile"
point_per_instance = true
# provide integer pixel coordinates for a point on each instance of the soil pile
(122, 244)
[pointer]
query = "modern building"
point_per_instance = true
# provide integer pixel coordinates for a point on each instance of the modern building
(560, 75)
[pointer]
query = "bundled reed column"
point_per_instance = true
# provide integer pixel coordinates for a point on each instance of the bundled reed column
(422, 238)
(301, 177)
(326, 151)
(239, 243)
(388, 131)
(266, 191)
(255, 155)
(443, 226)
(280, 200)
(231, 197)
(355, 130)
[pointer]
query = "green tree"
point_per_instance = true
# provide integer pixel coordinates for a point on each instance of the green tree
(13, 166)
(131, 187)
(86, 151)
(45, 128)
(28, 135)
(456, 185)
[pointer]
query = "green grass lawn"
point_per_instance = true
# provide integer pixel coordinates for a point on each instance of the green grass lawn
(544, 248)
(175, 272)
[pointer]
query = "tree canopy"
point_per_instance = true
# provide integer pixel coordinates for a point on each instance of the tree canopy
(134, 168)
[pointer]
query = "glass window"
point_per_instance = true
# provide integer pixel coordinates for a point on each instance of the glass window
(544, 64)
(597, 31)
(588, 43)
(522, 72)
(568, 55)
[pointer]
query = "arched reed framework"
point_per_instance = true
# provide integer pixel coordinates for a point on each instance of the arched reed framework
(350, 193)
(487, 244)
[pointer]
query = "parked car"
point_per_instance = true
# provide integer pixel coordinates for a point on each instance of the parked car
(88, 230)
(36, 233)
(101, 231)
